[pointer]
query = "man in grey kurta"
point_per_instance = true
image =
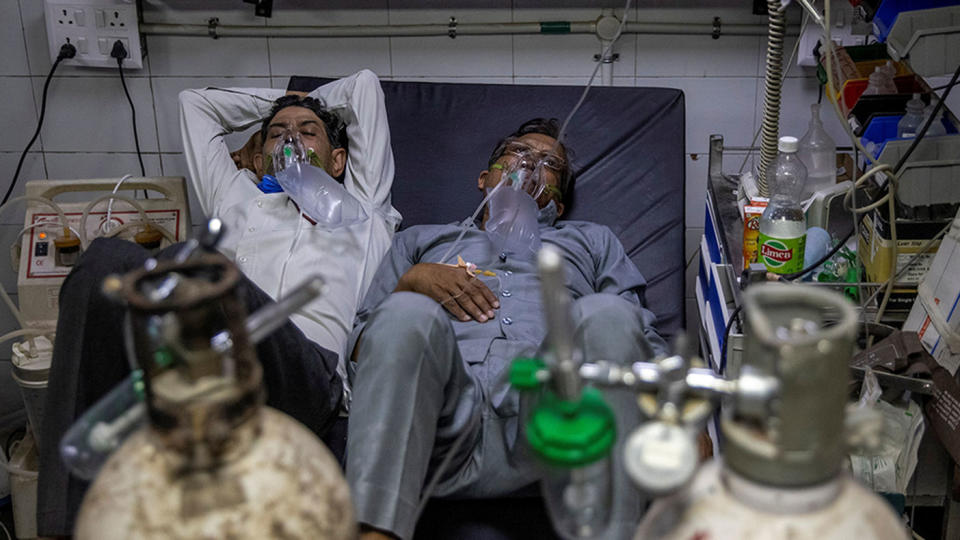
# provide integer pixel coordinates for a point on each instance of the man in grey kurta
(434, 366)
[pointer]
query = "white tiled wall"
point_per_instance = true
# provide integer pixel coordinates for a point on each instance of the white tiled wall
(87, 131)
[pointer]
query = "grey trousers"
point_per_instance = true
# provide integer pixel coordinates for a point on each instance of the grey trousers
(413, 394)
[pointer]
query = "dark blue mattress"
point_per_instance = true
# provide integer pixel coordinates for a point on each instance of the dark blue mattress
(627, 146)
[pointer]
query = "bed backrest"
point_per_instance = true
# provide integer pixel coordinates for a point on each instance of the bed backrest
(627, 148)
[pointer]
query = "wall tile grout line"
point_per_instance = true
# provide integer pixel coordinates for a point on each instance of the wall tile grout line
(33, 93)
(156, 117)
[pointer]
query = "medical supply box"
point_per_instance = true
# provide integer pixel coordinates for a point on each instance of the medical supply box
(934, 315)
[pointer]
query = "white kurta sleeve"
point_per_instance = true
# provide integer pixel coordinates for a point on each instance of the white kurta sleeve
(205, 117)
(358, 100)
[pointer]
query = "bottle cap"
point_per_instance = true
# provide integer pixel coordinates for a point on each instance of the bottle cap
(787, 144)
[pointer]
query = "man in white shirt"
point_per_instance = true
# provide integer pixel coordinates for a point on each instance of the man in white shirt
(266, 237)
(274, 246)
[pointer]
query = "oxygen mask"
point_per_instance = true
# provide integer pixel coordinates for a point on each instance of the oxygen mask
(300, 174)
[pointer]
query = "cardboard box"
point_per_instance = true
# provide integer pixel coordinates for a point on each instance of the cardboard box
(875, 246)
(935, 315)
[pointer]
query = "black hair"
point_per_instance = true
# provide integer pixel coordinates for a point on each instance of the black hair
(335, 127)
(544, 126)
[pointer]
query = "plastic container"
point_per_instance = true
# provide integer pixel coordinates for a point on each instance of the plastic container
(890, 10)
(31, 368)
(929, 39)
(818, 152)
(938, 127)
(883, 129)
(23, 468)
(879, 83)
(929, 177)
(102, 428)
(870, 107)
(848, 57)
(783, 225)
(912, 120)
(906, 84)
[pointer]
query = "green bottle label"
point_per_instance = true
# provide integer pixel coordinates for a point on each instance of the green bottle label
(782, 255)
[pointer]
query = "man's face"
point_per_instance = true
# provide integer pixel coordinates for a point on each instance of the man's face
(539, 147)
(313, 135)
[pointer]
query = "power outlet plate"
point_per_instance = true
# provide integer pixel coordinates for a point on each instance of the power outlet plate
(93, 26)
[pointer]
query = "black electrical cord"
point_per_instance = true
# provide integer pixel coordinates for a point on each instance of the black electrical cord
(67, 50)
(726, 336)
(119, 52)
(903, 159)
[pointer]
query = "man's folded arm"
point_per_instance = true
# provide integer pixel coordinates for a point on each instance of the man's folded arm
(358, 99)
(206, 115)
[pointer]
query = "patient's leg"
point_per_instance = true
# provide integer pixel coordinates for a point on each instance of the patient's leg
(611, 328)
(412, 396)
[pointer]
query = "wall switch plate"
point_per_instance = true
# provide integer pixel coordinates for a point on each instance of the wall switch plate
(93, 26)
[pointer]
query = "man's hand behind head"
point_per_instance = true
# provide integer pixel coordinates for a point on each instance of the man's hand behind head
(459, 292)
(243, 158)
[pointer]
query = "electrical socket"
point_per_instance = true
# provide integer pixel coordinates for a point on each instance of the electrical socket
(65, 17)
(116, 19)
(89, 23)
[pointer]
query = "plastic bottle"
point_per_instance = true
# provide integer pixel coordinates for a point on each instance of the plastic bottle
(912, 120)
(818, 154)
(783, 226)
(936, 127)
(879, 83)
(889, 69)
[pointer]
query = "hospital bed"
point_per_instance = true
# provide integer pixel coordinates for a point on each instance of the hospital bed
(628, 148)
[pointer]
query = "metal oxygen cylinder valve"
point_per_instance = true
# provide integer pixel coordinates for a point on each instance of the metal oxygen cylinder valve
(213, 461)
(780, 475)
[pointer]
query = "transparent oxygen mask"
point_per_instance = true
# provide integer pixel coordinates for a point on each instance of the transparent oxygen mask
(512, 224)
(299, 171)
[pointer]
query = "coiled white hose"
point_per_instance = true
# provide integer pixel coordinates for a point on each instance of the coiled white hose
(773, 83)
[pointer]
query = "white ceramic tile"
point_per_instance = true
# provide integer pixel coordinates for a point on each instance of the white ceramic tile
(691, 249)
(91, 114)
(68, 166)
(201, 56)
(33, 169)
(796, 97)
(730, 12)
(329, 57)
(572, 14)
(14, 60)
(696, 189)
(674, 55)
(468, 56)
(463, 80)
(19, 113)
(492, 11)
(176, 165)
(374, 13)
(167, 89)
(569, 55)
(722, 105)
(279, 82)
(193, 12)
(573, 81)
